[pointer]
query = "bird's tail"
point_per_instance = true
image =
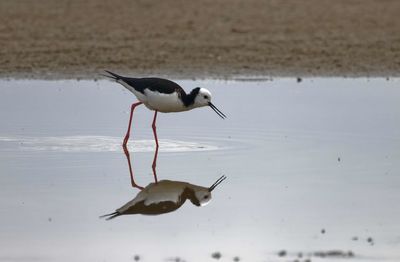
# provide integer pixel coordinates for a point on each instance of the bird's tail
(112, 75)
(111, 215)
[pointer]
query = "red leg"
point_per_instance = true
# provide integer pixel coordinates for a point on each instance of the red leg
(154, 128)
(130, 168)
(130, 122)
(156, 153)
(154, 165)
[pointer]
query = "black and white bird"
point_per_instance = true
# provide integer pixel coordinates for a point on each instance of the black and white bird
(165, 196)
(162, 95)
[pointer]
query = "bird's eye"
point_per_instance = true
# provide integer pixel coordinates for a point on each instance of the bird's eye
(205, 197)
(206, 97)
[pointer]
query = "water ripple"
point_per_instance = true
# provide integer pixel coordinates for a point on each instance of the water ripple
(98, 144)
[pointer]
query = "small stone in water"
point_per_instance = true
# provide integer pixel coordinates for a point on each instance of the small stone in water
(282, 253)
(216, 255)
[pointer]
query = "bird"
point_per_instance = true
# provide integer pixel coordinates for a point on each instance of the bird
(165, 196)
(162, 95)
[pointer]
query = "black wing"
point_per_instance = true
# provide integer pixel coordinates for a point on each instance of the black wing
(161, 85)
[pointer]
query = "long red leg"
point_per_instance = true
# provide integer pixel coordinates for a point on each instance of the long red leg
(156, 153)
(154, 128)
(130, 122)
(130, 168)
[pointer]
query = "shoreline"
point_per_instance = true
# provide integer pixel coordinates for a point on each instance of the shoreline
(236, 77)
(248, 76)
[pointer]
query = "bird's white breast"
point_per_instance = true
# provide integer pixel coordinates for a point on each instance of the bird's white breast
(164, 102)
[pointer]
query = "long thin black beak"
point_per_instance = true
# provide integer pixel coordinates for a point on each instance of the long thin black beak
(219, 181)
(222, 115)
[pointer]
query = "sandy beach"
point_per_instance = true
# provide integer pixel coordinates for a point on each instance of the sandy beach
(70, 38)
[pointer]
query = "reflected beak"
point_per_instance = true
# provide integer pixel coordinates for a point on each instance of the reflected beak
(219, 181)
(222, 115)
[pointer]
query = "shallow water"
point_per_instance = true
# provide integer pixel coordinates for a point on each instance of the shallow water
(311, 166)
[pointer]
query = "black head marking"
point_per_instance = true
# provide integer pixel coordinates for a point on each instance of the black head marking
(188, 193)
(188, 100)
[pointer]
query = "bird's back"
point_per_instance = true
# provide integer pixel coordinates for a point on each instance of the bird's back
(154, 84)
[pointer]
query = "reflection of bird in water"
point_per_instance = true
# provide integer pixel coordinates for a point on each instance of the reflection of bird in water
(163, 95)
(162, 196)
(165, 196)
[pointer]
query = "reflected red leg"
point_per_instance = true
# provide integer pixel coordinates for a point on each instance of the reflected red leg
(154, 165)
(156, 153)
(130, 122)
(128, 157)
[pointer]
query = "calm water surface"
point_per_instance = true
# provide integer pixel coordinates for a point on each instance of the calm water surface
(311, 166)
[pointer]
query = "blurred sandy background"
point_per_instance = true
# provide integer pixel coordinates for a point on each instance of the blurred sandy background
(71, 38)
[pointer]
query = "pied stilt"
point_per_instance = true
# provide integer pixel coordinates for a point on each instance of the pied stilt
(162, 95)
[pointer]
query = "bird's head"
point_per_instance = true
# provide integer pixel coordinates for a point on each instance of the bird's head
(203, 98)
(202, 195)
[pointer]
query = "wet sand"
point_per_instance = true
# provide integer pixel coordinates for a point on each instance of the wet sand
(68, 39)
